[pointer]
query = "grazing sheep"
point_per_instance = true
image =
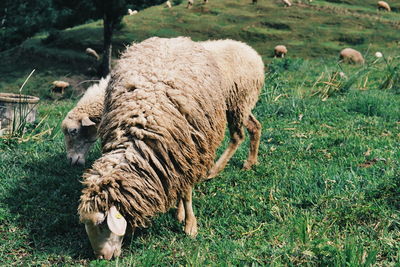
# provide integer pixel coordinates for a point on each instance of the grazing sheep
(164, 117)
(287, 3)
(350, 55)
(190, 4)
(132, 12)
(382, 5)
(92, 52)
(280, 51)
(59, 86)
(243, 78)
(168, 4)
(81, 123)
(252, 72)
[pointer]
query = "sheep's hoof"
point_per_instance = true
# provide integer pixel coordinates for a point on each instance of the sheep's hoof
(212, 173)
(191, 228)
(248, 165)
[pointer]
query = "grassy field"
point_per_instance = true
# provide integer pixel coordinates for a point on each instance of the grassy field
(326, 191)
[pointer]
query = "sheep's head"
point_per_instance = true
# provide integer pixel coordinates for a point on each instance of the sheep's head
(79, 135)
(105, 231)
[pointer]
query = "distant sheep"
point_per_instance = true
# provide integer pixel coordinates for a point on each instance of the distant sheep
(132, 12)
(280, 51)
(168, 4)
(287, 3)
(92, 52)
(164, 117)
(382, 5)
(350, 55)
(81, 123)
(190, 4)
(59, 86)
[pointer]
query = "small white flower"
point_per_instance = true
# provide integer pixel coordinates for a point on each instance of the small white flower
(378, 54)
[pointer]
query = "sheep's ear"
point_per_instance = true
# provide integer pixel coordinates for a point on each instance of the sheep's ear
(116, 222)
(87, 122)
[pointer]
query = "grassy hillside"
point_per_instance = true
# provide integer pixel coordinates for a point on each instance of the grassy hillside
(317, 30)
(325, 192)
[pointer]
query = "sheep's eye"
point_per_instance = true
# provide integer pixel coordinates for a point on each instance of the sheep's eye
(73, 131)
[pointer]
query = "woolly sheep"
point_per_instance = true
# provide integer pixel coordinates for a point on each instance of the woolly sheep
(132, 12)
(280, 51)
(168, 4)
(81, 123)
(243, 75)
(351, 55)
(92, 52)
(223, 51)
(287, 3)
(190, 4)
(382, 5)
(164, 117)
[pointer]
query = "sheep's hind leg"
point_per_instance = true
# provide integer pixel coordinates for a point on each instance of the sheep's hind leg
(190, 219)
(253, 126)
(237, 137)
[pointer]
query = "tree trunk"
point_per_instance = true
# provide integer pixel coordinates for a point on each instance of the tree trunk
(107, 46)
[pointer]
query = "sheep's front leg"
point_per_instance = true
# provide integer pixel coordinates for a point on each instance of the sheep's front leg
(190, 219)
(180, 211)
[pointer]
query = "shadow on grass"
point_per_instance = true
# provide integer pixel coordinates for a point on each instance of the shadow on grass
(45, 204)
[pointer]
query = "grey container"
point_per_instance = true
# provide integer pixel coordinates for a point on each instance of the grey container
(16, 109)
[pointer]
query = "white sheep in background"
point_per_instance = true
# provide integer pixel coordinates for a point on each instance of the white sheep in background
(190, 4)
(164, 117)
(287, 3)
(378, 54)
(280, 51)
(81, 123)
(382, 5)
(350, 55)
(132, 12)
(168, 4)
(92, 52)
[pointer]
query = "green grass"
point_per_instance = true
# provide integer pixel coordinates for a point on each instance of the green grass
(325, 192)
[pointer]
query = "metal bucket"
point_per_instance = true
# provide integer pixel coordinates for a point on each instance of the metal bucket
(15, 110)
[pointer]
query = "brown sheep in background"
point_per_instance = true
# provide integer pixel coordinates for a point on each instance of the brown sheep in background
(280, 51)
(165, 115)
(350, 55)
(59, 87)
(382, 5)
